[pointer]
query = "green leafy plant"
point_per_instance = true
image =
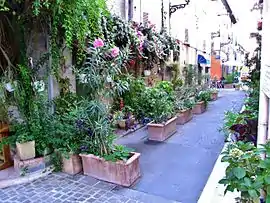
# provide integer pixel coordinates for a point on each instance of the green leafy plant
(104, 61)
(119, 153)
(204, 96)
(67, 138)
(229, 79)
(247, 172)
(242, 171)
(158, 105)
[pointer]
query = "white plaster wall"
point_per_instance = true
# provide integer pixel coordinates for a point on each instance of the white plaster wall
(117, 7)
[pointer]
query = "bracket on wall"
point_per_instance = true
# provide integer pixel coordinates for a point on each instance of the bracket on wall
(215, 34)
(174, 8)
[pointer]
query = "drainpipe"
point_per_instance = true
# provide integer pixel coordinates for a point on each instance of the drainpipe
(264, 100)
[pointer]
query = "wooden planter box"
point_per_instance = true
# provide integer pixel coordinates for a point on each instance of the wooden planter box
(5, 156)
(161, 132)
(214, 96)
(199, 108)
(72, 165)
(184, 117)
(120, 172)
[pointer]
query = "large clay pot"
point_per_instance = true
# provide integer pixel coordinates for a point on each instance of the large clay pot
(72, 165)
(120, 172)
(161, 132)
(199, 108)
(26, 150)
(184, 117)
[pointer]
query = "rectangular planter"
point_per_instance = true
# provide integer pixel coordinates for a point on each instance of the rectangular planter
(184, 117)
(31, 165)
(228, 86)
(199, 108)
(214, 96)
(120, 172)
(72, 165)
(26, 150)
(161, 132)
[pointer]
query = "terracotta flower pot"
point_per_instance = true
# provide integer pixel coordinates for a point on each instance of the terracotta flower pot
(199, 108)
(214, 96)
(161, 132)
(184, 117)
(228, 86)
(120, 172)
(122, 123)
(72, 165)
(26, 150)
(237, 88)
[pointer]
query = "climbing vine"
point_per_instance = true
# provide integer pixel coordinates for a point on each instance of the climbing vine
(69, 23)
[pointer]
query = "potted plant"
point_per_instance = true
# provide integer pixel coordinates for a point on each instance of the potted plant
(101, 158)
(214, 94)
(25, 143)
(202, 99)
(124, 119)
(184, 109)
(237, 86)
(161, 110)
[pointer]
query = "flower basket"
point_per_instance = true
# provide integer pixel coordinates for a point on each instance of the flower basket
(199, 108)
(161, 132)
(26, 150)
(184, 117)
(72, 165)
(120, 172)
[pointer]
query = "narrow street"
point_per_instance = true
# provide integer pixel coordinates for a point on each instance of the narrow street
(173, 171)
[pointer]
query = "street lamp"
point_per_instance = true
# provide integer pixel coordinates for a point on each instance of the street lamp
(174, 8)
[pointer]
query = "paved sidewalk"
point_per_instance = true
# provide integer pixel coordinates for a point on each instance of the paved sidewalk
(172, 172)
(179, 168)
(63, 188)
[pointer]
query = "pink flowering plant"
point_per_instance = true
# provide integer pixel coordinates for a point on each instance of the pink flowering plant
(103, 61)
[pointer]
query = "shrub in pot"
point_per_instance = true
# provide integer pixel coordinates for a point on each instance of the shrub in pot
(160, 108)
(67, 139)
(124, 119)
(184, 109)
(214, 94)
(100, 157)
(202, 99)
(25, 143)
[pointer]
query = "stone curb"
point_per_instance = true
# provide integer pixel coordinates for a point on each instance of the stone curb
(26, 179)
(213, 191)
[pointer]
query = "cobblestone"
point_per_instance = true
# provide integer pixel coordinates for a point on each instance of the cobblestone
(60, 187)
